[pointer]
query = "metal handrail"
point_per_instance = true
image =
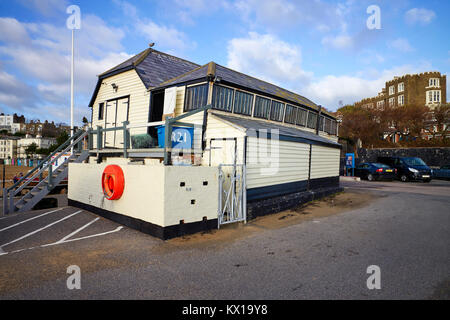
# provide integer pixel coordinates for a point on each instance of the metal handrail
(76, 137)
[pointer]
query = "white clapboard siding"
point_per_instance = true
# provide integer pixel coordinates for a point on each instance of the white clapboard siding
(129, 83)
(218, 129)
(324, 162)
(290, 165)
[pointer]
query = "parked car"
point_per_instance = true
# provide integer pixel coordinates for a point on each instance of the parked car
(409, 168)
(442, 173)
(374, 171)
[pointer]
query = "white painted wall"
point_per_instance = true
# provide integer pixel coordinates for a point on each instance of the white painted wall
(129, 83)
(293, 163)
(324, 162)
(152, 193)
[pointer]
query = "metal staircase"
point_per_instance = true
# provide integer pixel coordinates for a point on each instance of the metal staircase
(14, 202)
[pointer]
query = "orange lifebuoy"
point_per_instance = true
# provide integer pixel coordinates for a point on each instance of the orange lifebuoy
(113, 182)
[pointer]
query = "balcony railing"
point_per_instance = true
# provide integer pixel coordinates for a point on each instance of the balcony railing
(143, 145)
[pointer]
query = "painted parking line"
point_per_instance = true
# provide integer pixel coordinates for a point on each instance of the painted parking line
(76, 231)
(40, 229)
(83, 238)
(63, 242)
(38, 216)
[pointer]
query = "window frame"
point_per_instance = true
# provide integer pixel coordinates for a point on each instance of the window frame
(252, 98)
(205, 84)
(267, 111)
(101, 111)
(280, 112)
(215, 86)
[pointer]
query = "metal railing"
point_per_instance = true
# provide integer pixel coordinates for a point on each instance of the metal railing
(74, 143)
(169, 123)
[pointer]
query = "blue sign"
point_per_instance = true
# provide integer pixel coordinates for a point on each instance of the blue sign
(350, 160)
(181, 137)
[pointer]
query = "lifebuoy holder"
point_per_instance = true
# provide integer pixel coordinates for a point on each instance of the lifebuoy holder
(113, 182)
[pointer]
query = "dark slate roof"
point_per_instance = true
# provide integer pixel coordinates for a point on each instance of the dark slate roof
(158, 67)
(152, 66)
(239, 79)
(285, 132)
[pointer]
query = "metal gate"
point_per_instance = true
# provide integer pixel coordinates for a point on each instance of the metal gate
(232, 194)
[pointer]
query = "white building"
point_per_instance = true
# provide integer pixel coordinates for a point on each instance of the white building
(40, 142)
(8, 147)
(7, 123)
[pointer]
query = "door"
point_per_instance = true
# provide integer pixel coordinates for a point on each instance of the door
(121, 116)
(110, 122)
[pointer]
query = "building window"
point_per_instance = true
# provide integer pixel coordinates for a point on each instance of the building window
(312, 120)
(243, 103)
(321, 123)
(391, 102)
(277, 111)
(401, 87)
(434, 82)
(327, 128)
(391, 90)
(196, 97)
(101, 109)
(262, 107)
(401, 100)
(222, 98)
(291, 114)
(301, 118)
(380, 104)
(433, 96)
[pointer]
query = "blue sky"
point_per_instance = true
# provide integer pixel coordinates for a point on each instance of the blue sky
(320, 49)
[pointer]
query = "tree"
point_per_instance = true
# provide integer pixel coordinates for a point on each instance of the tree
(31, 149)
(85, 120)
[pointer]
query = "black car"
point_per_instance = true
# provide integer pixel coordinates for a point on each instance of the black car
(374, 171)
(409, 168)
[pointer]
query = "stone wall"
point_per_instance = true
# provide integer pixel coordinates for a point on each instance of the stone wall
(433, 157)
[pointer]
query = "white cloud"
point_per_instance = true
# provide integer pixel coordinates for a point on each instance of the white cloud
(46, 7)
(402, 45)
(419, 15)
(13, 92)
(163, 36)
(268, 58)
(40, 53)
(331, 89)
(338, 42)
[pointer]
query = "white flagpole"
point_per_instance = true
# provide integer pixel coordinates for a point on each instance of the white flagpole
(71, 89)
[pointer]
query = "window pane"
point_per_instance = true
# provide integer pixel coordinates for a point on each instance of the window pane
(222, 98)
(312, 120)
(100, 111)
(321, 123)
(291, 114)
(301, 117)
(196, 97)
(262, 107)
(243, 103)
(276, 113)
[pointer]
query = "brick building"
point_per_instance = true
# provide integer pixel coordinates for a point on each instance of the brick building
(428, 89)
